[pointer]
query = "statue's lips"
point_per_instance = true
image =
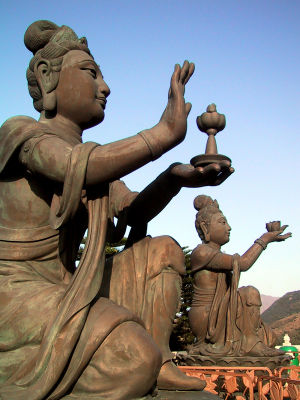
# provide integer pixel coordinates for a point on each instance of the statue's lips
(102, 101)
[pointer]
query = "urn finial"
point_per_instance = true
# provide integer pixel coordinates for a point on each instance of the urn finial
(210, 122)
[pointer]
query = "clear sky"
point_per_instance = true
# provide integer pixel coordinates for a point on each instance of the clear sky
(247, 62)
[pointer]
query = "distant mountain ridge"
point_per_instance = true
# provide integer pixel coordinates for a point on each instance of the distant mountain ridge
(284, 316)
(267, 301)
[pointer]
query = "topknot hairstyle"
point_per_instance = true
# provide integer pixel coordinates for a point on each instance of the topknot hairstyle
(48, 41)
(206, 207)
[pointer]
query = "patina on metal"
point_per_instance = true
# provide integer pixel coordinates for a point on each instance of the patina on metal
(100, 330)
(210, 122)
(224, 318)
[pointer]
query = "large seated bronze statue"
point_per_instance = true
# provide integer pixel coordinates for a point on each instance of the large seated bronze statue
(100, 330)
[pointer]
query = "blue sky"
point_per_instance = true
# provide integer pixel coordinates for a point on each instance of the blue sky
(247, 62)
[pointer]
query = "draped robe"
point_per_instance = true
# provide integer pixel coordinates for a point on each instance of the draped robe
(47, 332)
(232, 330)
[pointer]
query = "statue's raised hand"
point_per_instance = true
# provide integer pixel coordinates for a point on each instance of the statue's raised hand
(175, 115)
(274, 233)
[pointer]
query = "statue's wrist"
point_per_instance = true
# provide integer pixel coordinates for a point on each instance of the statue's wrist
(172, 180)
(261, 242)
(152, 143)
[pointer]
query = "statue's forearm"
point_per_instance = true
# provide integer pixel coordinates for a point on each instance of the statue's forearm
(153, 199)
(223, 261)
(115, 160)
(250, 256)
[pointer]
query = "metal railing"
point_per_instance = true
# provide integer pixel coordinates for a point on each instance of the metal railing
(243, 383)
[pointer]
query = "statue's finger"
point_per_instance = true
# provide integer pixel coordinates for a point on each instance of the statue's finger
(210, 173)
(214, 167)
(176, 75)
(223, 176)
(283, 227)
(199, 170)
(225, 164)
(184, 71)
(285, 236)
(190, 73)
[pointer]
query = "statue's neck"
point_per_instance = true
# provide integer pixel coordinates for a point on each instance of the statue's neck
(62, 125)
(214, 245)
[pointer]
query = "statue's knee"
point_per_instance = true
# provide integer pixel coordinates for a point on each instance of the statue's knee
(168, 253)
(149, 356)
(127, 364)
(250, 295)
(145, 360)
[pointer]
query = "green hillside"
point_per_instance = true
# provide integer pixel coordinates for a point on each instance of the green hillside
(287, 305)
(284, 317)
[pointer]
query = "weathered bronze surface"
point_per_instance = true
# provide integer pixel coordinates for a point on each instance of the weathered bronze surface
(210, 122)
(226, 320)
(100, 330)
(271, 362)
(182, 395)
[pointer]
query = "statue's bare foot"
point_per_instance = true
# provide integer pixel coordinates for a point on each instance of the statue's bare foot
(171, 378)
(261, 350)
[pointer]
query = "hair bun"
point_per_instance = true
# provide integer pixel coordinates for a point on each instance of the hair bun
(204, 201)
(38, 34)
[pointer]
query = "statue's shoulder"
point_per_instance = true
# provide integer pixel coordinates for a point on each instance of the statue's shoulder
(13, 133)
(18, 122)
(201, 256)
(201, 251)
(16, 128)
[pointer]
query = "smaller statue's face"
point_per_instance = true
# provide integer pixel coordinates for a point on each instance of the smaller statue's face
(81, 91)
(219, 229)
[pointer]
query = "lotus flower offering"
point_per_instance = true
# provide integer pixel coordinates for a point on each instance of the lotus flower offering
(210, 122)
(273, 226)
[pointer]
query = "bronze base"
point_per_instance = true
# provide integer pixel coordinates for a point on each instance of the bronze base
(235, 361)
(205, 159)
(183, 395)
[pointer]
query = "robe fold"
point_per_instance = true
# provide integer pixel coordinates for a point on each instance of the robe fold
(47, 333)
(231, 328)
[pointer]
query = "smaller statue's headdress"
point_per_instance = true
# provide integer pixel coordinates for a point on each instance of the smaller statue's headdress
(206, 207)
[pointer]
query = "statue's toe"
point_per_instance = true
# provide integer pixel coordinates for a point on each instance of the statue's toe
(172, 378)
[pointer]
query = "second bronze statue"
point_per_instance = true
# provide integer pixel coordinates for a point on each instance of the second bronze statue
(226, 320)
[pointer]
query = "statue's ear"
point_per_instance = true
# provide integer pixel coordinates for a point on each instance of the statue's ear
(47, 81)
(205, 231)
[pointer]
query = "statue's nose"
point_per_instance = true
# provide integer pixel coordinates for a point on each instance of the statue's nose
(103, 88)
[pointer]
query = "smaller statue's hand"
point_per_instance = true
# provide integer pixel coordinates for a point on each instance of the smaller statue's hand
(276, 235)
(185, 175)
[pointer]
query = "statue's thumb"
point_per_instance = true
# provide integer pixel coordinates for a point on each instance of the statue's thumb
(188, 107)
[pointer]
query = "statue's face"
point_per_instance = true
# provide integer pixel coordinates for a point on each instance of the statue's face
(81, 91)
(219, 229)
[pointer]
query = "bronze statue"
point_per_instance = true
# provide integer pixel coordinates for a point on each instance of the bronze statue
(100, 330)
(226, 320)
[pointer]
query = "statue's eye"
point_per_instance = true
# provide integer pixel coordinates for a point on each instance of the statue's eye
(91, 71)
